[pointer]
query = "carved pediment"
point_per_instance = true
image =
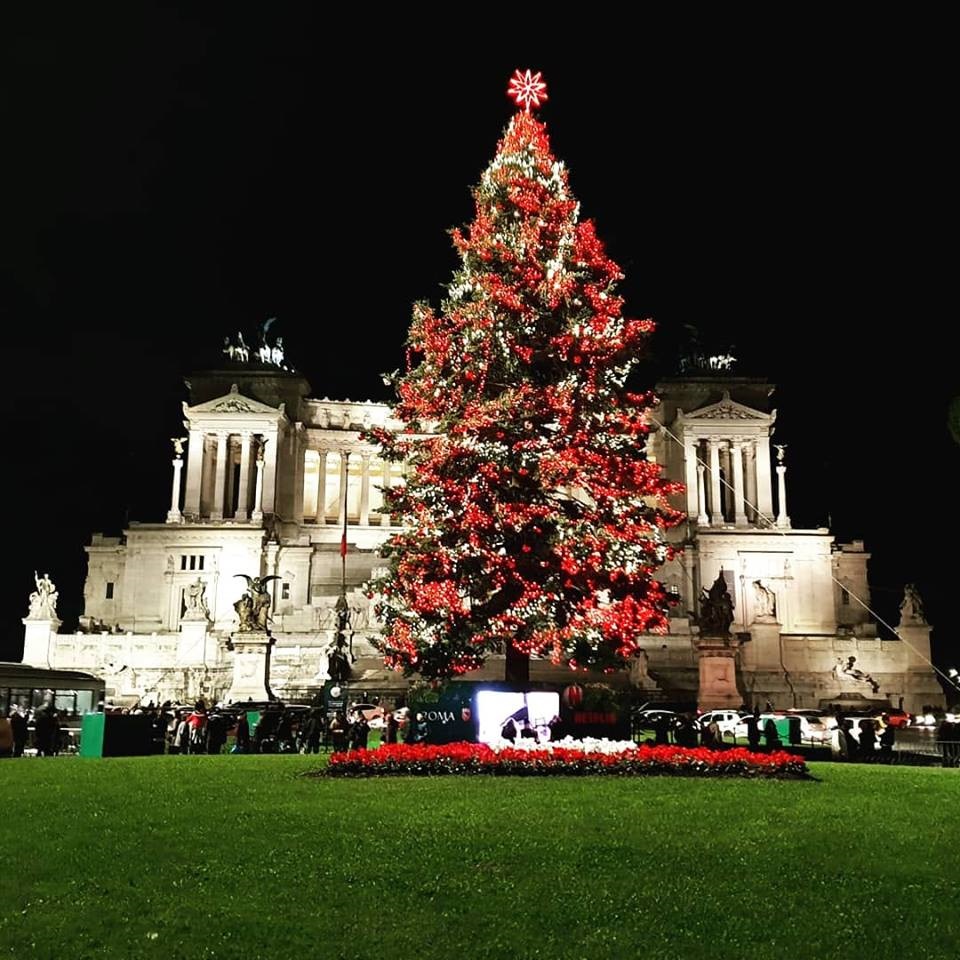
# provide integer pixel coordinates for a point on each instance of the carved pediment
(232, 402)
(726, 409)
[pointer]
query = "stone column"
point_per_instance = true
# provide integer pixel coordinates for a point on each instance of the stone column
(191, 505)
(739, 514)
(221, 477)
(173, 514)
(365, 489)
(341, 494)
(321, 514)
(751, 470)
(783, 520)
(726, 475)
(764, 484)
(229, 507)
(702, 518)
(243, 495)
(257, 514)
(716, 504)
(270, 444)
(385, 517)
(690, 475)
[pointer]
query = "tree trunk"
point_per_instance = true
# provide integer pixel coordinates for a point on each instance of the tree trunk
(518, 667)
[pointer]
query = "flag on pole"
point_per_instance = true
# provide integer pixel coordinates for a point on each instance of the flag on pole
(343, 545)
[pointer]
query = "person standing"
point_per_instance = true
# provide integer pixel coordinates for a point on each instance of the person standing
(243, 733)
(887, 739)
(770, 735)
(752, 723)
(393, 727)
(18, 727)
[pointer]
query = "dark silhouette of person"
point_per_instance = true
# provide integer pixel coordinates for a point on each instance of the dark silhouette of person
(359, 731)
(850, 741)
(752, 722)
(243, 733)
(528, 733)
(216, 733)
(338, 732)
(686, 732)
(313, 730)
(661, 730)
(509, 730)
(887, 740)
(44, 732)
(419, 731)
(393, 728)
(868, 739)
(18, 727)
(770, 735)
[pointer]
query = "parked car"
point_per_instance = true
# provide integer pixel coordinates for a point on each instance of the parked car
(648, 719)
(727, 720)
(898, 718)
(371, 712)
(813, 729)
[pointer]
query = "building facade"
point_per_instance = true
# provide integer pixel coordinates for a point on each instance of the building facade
(271, 478)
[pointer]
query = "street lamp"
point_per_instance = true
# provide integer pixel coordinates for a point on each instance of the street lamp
(340, 662)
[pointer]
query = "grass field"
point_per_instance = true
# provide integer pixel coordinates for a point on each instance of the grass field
(237, 856)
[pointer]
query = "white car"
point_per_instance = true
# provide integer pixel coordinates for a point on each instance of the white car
(647, 719)
(813, 729)
(727, 720)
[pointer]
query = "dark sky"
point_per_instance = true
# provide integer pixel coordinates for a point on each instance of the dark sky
(174, 176)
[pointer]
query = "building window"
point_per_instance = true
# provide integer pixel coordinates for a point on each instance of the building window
(109, 594)
(200, 562)
(183, 561)
(844, 597)
(285, 591)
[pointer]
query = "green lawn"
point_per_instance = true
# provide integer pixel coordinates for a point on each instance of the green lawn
(237, 856)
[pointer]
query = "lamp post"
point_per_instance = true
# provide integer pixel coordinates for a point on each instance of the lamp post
(340, 668)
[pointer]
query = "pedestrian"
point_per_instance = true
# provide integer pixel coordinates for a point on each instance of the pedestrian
(18, 726)
(771, 735)
(887, 739)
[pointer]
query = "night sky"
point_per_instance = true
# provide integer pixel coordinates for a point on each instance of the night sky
(171, 178)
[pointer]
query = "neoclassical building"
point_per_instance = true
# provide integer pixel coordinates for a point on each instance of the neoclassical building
(270, 477)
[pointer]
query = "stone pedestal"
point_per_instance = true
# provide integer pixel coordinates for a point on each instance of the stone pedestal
(718, 673)
(38, 641)
(195, 646)
(251, 667)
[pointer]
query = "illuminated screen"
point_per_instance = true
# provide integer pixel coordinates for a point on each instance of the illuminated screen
(534, 710)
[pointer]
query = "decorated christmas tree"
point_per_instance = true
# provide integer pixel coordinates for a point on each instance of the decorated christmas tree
(533, 522)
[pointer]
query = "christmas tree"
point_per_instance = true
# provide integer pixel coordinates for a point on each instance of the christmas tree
(533, 523)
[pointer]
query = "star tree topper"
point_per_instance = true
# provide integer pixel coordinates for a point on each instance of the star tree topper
(526, 89)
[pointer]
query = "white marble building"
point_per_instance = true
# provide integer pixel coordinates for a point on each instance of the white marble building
(261, 492)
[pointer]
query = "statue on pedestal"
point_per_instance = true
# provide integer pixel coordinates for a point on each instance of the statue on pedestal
(716, 609)
(911, 607)
(253, 608)
(43, 600)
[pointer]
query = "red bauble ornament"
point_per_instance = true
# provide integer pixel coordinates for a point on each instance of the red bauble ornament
(573, 696)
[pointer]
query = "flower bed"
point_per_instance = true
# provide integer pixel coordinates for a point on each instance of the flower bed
(562, 760)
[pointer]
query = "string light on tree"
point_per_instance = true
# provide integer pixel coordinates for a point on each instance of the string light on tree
(527, 89)
(532, 519)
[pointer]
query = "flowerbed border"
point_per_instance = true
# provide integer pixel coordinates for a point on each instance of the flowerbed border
(428, 760)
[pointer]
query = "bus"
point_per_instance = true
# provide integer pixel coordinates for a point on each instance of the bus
(70, 693)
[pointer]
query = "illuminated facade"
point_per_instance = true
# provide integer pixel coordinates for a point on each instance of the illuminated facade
(261, 492)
